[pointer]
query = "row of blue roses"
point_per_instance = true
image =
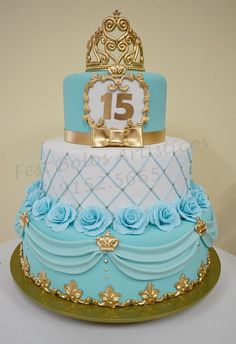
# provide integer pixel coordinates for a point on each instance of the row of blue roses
(94, 220)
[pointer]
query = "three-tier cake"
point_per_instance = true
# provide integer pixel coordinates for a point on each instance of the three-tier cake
(116, 219)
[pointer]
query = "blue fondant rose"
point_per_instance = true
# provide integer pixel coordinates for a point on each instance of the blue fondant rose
(132, 220)
(60, 217)
(194, 186)
(35, 186)
(164, 216)
(201, 198)
(188, 208)
(93, 221)
(32, 197)
(41, 208)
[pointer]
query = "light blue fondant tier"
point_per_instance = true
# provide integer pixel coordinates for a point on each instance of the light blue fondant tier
(73, 101)
(155, 256)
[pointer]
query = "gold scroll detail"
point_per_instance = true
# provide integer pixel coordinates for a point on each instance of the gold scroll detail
(115, 42)
(109, 297)
(107, 242)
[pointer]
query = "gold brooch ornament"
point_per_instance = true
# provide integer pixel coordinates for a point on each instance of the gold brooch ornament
(114, 43)
(109, 297)
(25, 265)
(24, 220)
(107, 242)
(200, 226)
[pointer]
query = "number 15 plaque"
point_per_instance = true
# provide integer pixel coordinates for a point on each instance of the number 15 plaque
(116, 107)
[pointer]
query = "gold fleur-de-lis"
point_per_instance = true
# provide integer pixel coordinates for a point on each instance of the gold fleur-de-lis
(183, 284)
(202, 271)
(72, 291)
(150, 294)
(110, 297)
(25, 265)
(42, 280)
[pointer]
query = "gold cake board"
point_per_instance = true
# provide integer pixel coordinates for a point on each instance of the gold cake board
(127, 314)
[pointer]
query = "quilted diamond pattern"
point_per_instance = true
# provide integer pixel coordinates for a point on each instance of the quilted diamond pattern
(116, 180)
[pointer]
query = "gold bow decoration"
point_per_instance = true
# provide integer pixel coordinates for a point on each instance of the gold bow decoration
(129, 137)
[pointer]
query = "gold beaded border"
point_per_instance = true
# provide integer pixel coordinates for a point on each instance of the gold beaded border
(109, 297)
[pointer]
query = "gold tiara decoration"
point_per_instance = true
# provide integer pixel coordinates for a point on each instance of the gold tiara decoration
(115, 43)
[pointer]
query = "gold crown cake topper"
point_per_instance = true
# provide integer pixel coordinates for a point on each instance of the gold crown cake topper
(115, 43)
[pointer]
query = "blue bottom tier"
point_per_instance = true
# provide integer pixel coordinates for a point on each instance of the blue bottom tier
(143, 268)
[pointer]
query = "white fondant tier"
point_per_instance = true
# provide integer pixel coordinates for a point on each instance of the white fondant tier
(116, 177)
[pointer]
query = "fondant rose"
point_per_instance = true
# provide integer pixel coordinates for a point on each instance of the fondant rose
(201, 198)
(164, 216)
(93, 221)
(35, 186)
(41, 207)
(131, 220)
(60, 217)
(32, 197)
(188, 208)
(194, 186)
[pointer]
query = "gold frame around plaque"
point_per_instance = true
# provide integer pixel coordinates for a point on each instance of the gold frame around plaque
(131, 135)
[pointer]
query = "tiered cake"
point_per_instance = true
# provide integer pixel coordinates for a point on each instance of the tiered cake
(115, 219)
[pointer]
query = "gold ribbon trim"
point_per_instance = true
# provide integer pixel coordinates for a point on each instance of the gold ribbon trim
(132, 137)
